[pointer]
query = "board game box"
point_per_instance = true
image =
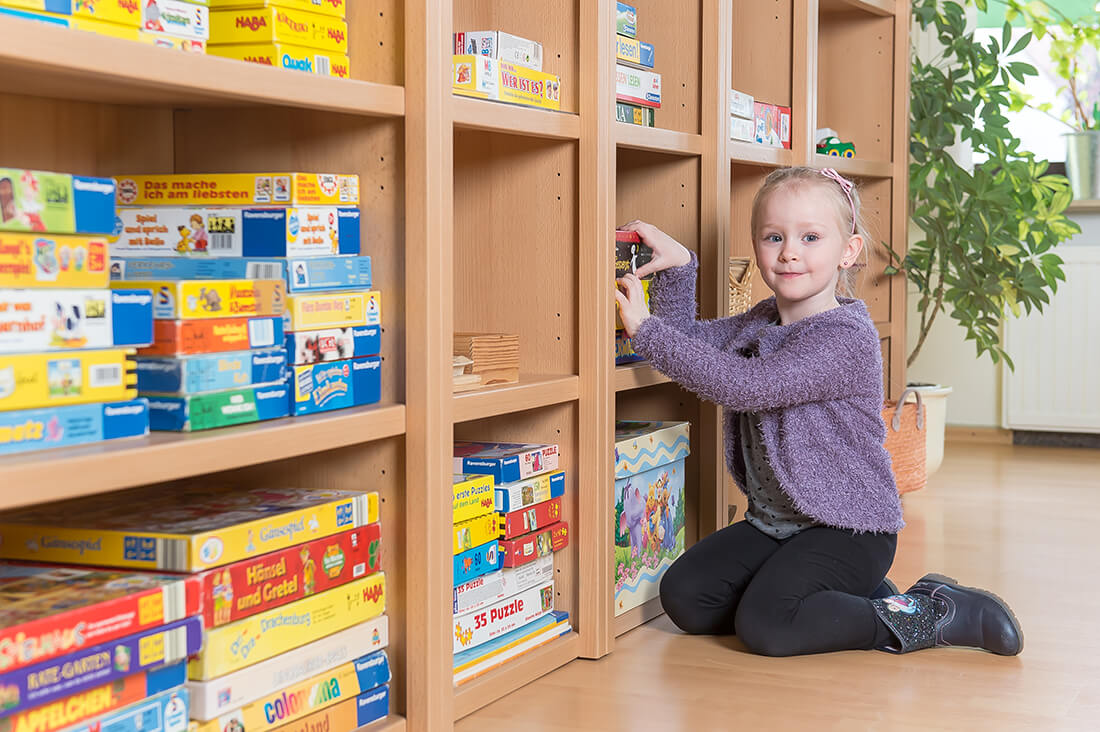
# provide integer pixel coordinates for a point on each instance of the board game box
(483, 77)
(188, 337)
(29, 430)
(626, 20)
(238, 189)
(163, 712)
(202, 299)
(637, 86)
(632, 114)
(52, 260)
(632, 51)
(500, 45)
(473, 497)
(505, 461)
(333, 344)
(630, 252)
(526, 520)
(475, 532)
(260, 637)
(59, 203)
(287, 56)
(773, 124)
(122, 12)
(473, 629)
(322, 387)
(317, 311)
(335, 8)
(525, 493)
(624, 351)
(193, 527)
(352, 714)
(210, 699)
(253, 586)
(34, 381)
(307, 274)
(98, 665)
(181, 18)
(219, 409)
(476, 661)
(742, 105)
(59, 320)
(495, 586)
(211, 372)
(528, 548)
(476, 562)
(279, 25)
(47, 611)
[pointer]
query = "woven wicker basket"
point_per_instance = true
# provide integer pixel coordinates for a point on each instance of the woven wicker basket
(905, 441)
(741, 271)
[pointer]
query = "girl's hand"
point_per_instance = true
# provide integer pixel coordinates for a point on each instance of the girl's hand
(667, 252)
(631, 299)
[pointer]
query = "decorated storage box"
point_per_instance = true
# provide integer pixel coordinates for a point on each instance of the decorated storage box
(500, 45)
(483, 77)
(473, 496)
(495, 586)
(279, 25)
(29, 430)
(475, 532)
(190, 528)
(317, 311)
(526, 520)
(305, 231)
(34, 381)
(352, 714)
(286, 56)
(47, 611)
(238, 189)
(649, 506)
(48, 260)
(322, 387)
(481, 659)
(219, 409)
(482, 626)
(324, 690)
(260, 637)
(202, 299)
(163, 712)
(333, 344)
(101, 664)
(632, 51)
(529, 491)
(335, 8)
(40, 201)
(213, 372)
(528, 548)
(59, 320)
(185, 337)
(637, 86)
(626, 20)
(632, 114)
(86, 710)
(222, 695)
(476, 562)
(253, 586)
(505, 461)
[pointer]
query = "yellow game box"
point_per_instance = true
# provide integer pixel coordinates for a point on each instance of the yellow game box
(278, 25)
(237, 189)
(474, 497)
(123, 12)
(34, 381)
(188, 529)
(483, 77)
(29, 259)
(476, 532)
(317, 311)
(335, 8)
(206, 299)
(260, 637)
(284, 56)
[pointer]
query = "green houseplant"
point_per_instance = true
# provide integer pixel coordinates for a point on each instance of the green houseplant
(986, 233)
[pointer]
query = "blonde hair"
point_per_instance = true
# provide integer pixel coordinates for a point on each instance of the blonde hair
(849, 215)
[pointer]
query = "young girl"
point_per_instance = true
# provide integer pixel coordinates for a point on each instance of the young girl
(800, 380)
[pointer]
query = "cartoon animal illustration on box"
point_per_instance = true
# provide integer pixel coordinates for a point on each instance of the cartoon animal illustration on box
(300, 274)
(68, 326)
(183, 246)
(152, 17)
(210, 300)
(309, 572)
(632, 518)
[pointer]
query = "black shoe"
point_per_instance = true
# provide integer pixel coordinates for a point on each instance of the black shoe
(967, 616)
(886, 589)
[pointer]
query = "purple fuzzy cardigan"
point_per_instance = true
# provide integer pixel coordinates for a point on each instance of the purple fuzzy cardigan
(816, 385)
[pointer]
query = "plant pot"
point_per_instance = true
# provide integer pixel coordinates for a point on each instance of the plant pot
(1083, 164)
(934, 397)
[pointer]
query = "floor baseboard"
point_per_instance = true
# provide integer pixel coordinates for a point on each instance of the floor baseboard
(977, 435)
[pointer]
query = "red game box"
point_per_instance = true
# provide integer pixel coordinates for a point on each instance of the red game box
(529, 519)
(517, 552)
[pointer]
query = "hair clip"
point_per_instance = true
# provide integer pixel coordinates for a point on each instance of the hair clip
(846, 186)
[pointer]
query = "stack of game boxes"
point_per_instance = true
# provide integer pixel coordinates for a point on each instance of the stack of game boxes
(265, 299)
(759, 122)
(288, 589)
(301, 35)
(66, 341)
(637, 86)
(182, 24)
(630, 254)
(86, 649)
(508, 524)
(502, 67)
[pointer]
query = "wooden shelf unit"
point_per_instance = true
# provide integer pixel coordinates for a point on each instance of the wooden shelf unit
(480, 217)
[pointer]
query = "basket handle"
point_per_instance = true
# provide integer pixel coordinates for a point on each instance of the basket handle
(896, 421)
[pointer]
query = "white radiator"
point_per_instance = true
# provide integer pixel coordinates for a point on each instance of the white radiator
(1056, 385)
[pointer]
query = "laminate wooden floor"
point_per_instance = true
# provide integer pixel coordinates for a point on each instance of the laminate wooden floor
(1022, 521)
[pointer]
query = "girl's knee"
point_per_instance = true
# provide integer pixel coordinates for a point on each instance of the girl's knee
(684, 597)
(765, 634)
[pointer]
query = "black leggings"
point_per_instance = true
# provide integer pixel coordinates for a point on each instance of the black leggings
(805, 594)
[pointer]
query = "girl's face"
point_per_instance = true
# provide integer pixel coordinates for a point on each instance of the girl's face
(801, 247)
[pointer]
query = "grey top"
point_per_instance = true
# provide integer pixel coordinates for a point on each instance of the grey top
(770, 508)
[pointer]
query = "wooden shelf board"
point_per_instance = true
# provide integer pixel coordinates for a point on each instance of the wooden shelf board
(481, 114)
(875, 7)
(637, 376)
(89, 67)
(753, 154)
(163, 456)
(392, 723)
(521, 671)
(655, 139)
(1084, 206)
(855, 166)
(531, 392)
(640, 615)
